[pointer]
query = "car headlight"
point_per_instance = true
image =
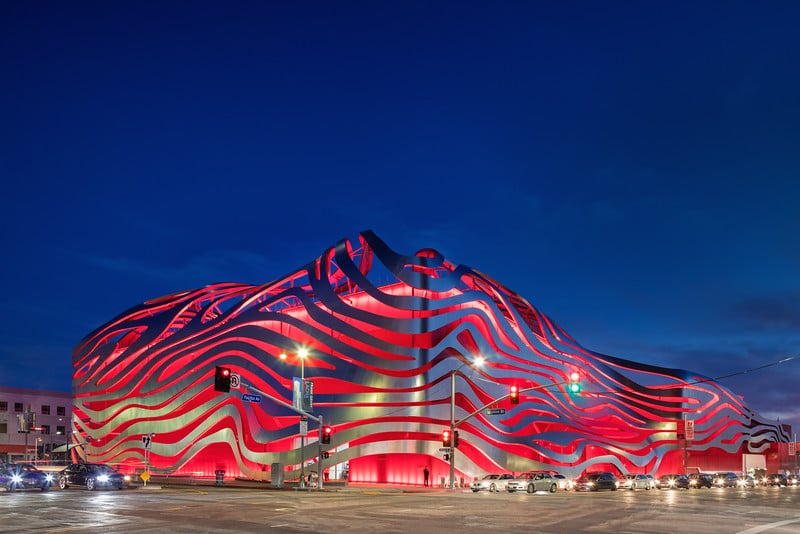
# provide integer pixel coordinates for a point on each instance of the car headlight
(49, 478)
(16, 479)
(102, 478)
(127, 478)
(590, 484)
(692, 482)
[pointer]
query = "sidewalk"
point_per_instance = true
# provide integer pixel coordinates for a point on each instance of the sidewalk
(158, 481)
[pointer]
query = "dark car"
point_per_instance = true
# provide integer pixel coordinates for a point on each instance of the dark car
(92, 476)
(24, 476)
(701, 480)
(674, 481)
(777, 479)
(726, 479)
(596, 481)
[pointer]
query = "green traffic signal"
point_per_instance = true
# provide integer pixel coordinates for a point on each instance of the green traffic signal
(574, 382)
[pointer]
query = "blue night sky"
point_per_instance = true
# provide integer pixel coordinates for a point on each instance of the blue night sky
(629, 168)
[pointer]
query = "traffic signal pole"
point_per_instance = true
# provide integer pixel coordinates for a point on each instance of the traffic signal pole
(452, 429)
(301, 412)
(454, 423)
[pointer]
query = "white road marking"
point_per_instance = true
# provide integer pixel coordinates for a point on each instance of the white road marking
(762, 528)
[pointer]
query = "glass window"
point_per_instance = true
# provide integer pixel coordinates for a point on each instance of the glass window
(60, 410)
(3, 406)
(45, 429)
(60, 430)
(3, 428)
(45, 409)
(18, 407)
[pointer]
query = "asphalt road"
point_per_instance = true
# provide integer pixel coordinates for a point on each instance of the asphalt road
(187, 509)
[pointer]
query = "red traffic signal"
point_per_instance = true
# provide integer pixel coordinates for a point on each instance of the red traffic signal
(222, 379)
(446, 441)
(326, 434)
(514, 395)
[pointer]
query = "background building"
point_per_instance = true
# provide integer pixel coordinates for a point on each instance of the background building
(389, 342)
(49, 413)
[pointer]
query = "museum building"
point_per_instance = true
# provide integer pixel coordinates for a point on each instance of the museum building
(386, 350)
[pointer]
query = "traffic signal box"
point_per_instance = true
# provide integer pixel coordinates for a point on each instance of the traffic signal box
(446, 442)
(514, 395)
(326, 434)
(222, 379)
(574, 382)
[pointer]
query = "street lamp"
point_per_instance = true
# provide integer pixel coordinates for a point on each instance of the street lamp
(477, 362)
(302, 353)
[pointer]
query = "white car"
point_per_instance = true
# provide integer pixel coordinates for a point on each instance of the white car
(564, 483)
(492, 483)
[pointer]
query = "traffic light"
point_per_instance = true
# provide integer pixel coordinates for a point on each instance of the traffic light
(455, 438)
(326, 454)
(574, 382)
(446, 457)
(222, 379)
(446, 438)
(326, 434)
(514, 395)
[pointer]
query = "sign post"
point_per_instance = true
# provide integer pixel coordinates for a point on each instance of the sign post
(147, 442)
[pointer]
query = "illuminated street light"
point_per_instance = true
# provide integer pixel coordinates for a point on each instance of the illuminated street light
(302, 353)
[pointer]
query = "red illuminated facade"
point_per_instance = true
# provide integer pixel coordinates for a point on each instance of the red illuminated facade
(384, 334)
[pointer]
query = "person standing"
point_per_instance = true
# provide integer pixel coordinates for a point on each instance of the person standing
(425, 474)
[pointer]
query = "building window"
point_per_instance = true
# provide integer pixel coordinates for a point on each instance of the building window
(45, 409)
(60, 430)
(45, 429)
(3, 428)
(18, 407)
(3, 406)
(60, 410)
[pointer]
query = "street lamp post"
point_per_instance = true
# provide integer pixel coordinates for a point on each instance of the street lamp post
(477, 363)
(302, 353)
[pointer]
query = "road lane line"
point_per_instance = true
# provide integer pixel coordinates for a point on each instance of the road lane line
(769, 526)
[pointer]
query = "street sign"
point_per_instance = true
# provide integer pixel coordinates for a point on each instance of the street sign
(247, 397)
(304, 426)
(444, 449)
(146, 441)
(689, 429)
(145, 476)
(496, 411)
(236, 381)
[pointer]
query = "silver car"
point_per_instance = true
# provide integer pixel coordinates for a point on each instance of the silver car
(533, 482)
(492, 483)
(633, 482)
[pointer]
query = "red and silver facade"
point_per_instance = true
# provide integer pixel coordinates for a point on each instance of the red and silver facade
(384, 333)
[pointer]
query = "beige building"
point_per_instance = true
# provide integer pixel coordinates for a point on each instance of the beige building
(44, 414)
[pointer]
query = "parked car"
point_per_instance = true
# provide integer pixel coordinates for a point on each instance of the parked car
(701, 480)
(597, 481)
(794, 480)
(634, 482)
(746, 482)
(492, 483)
(532, 482)
(777, 479)
(92, 476)
(726, 479)
(15, 477)
(653, 482)
(674, 481)
(564, 483)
